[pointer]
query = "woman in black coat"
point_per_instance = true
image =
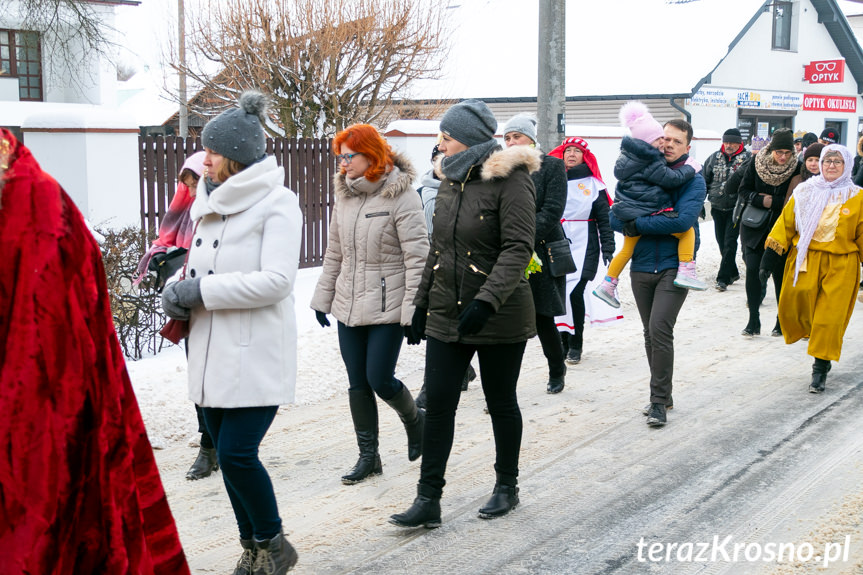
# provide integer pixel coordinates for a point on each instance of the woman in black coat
(548, 291)
(474, 300)
(764, 186)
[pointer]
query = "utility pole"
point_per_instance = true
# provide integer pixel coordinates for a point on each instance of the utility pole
(184, 109)
(551, 93)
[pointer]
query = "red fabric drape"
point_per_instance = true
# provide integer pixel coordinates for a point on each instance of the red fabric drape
(79, 488)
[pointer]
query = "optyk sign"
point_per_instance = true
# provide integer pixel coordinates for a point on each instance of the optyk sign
(824, 72)
(818, 103)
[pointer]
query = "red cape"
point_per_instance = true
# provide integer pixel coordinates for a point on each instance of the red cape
(79, 488)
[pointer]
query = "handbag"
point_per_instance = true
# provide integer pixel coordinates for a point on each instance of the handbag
(754, 217)
(560, 260)
(176, 330)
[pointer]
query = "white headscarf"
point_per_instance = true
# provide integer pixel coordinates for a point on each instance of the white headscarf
(815, 194)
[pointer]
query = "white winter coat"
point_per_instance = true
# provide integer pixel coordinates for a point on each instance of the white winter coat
(243, 342)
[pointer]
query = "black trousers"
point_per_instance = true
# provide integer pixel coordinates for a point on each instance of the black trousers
(499, 366)
(552, 348)
(576, 301)
(726, 239)
(659, 302)
(752, 259)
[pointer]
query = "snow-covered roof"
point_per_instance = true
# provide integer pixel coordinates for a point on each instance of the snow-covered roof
(613, 47)
(142, 98)
(50, 115)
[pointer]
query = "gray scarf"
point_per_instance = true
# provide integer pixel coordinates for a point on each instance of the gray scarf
(456, 167)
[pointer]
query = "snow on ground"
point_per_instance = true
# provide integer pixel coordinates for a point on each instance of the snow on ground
(160, 381)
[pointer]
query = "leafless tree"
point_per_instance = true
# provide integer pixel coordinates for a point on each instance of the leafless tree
(325, 63)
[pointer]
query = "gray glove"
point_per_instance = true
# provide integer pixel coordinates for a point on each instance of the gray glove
(170, 305)
(188, 293)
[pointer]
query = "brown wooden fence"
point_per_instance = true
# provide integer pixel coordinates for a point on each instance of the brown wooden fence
(309, 167)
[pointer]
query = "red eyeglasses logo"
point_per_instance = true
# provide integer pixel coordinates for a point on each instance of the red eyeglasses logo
(824, 72)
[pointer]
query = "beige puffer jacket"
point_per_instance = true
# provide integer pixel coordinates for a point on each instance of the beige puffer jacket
(376, 250)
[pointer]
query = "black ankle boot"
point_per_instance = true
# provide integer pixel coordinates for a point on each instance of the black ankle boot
(503, 499)
(274, 556)
(424, 511)
(753, 327)
(819, 375)
(364, 411)
(777, 329)
(469, 376)
(412, 418)
(247, 560)
(205, 464)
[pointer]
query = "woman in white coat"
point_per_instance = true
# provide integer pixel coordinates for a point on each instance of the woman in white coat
(238, 295)
(375, 257)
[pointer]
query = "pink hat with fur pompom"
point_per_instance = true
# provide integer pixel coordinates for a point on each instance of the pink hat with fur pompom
(636, 117)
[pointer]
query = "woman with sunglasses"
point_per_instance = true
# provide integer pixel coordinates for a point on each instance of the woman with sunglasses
(821, 231)
(375, 256)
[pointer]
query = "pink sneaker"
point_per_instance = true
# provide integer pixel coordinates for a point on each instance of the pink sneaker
(687, 278)
(607, 291)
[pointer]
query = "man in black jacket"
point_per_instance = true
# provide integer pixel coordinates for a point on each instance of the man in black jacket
(717, 169)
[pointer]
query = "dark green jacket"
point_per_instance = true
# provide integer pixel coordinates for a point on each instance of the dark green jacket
(481, 245)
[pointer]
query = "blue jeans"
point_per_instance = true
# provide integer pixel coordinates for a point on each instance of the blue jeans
(370, 353)
(237, 434)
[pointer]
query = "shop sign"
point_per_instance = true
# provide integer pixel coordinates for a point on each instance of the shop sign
(816, 103)
(730, 98)
(824, 72)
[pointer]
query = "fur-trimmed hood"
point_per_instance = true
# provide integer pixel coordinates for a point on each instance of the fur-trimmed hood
(396, 182)
(501, 163)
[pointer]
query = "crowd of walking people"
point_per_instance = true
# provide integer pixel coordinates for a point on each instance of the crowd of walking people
(498, 244)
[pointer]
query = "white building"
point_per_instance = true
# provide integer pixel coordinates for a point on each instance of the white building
(60, 99)
(752, 64)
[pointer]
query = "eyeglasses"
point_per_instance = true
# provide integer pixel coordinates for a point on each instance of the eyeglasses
(833, 162)
(346, 158)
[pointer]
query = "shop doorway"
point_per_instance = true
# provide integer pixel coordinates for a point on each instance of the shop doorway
(757, 126)
(838, 126)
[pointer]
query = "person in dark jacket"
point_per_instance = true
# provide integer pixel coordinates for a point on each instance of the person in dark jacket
(764, 185)
(811, 167)
(717, 169)
(654, 267)
(585, 223)
(474, 299)
(548, 291)
(642, 179)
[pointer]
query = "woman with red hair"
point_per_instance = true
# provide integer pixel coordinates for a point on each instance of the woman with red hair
(374, 261)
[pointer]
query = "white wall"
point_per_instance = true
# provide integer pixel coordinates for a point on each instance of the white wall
(94, 158)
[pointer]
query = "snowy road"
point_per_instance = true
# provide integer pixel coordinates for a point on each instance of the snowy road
(749, 458)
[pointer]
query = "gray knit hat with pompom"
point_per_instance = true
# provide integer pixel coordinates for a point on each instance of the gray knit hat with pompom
(238, 134)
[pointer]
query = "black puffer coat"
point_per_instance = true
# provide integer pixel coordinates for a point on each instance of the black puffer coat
(643, 176)
(550, 183)
(481, 245)
(751, 188)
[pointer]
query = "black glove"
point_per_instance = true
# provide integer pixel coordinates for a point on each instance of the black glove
(606, 259)
(156, 261)
(171, 304)
(474, 317)
(417, 327)
(630, 229)
(322, 318)
(769, 261)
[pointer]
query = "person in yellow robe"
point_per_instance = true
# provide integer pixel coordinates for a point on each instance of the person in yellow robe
(822, 229)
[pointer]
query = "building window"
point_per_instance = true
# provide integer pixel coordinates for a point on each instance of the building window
(781, 25)
(21, 57)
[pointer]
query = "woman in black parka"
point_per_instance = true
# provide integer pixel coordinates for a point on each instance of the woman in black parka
(764, 185)
(548, 291)
(474, 299)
